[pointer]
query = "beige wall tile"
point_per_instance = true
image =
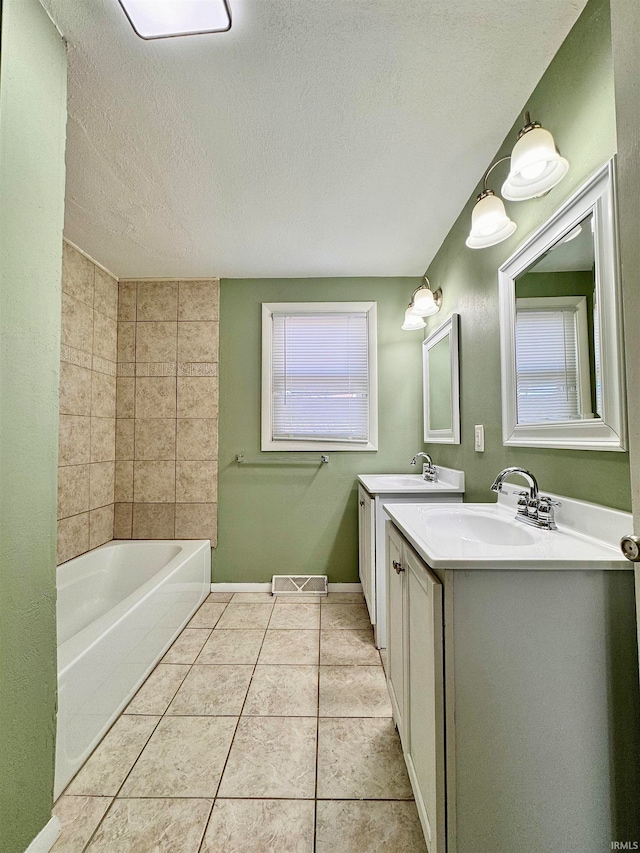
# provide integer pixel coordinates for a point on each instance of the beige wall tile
(197, 341)
(126, 368)
(77, 274)
(197, 521)
(103, 395)
(77, 323)
(197, 397)
(199, 300)
(74, 440)
(122, 521)
(155, 397)
(197, 438)
(156, 341)
(106, 294)
(101, 484)
(105, 336)
(196, 482)
(124, 438)
(100, 526)
(73, 490)
(125, 396)
(155, 438)
(103, 439)
(76, 356)
(157, 300)
(154, 482)
(127, 300)
(75, 390)
(197, 368)
(126, 341)
(153, 521)
(124, 482)
(73, 536)
(155, 368)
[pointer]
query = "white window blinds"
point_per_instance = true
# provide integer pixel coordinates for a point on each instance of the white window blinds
(547, 365)
(320, 377)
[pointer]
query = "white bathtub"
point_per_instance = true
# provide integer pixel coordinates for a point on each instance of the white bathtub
(119, 609)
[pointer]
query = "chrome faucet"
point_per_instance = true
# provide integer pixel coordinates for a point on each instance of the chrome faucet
(429, 470)
(533, 508)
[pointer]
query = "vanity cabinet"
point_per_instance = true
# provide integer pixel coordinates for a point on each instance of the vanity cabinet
(367, 547)
(415, 677)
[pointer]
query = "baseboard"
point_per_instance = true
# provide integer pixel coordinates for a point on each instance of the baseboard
(46, 838)
(266, 587)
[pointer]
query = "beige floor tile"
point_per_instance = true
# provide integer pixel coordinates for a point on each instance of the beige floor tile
(368, 827)
(260, 826)
(361, 759)
(345, 616)
(158, 690)
(344, 597)
(79, 817)
(232, 647)
(253, 597)
(300, 616)
(152, 826)
(188, 645)
(208, 615)
(107, 768)
(224, 597)
(184, 758)
(299, 598)
(271, 757)
(217, 690)
(283, 691)
(348, 648)
(290, 647)
(245, 616)
(354, 691)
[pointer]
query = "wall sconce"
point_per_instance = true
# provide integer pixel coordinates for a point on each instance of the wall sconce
(536, 167)
(424, 303)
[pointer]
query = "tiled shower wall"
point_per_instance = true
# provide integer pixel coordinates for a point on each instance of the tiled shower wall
(166, 454)
(86, 461)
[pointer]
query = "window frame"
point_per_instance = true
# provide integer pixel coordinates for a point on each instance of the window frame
(321, 444)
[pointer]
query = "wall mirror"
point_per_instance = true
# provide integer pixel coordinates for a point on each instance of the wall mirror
(441, 384)
(561, 328)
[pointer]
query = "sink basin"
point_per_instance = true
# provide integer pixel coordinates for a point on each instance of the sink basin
(449, 481)
(400, 481)
(482, 527)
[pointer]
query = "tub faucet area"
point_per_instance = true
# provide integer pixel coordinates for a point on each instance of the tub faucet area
(429, 470)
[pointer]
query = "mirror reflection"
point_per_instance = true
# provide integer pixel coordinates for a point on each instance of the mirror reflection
(558, 370)
(439, 386)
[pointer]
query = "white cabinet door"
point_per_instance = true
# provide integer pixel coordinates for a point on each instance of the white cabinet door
(424, 748)
(366, 547)
(396, 639)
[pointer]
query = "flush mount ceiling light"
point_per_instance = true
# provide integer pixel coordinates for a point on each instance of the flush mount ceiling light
(536, 164)
(489, 221)
(424, 302)
(158, 19)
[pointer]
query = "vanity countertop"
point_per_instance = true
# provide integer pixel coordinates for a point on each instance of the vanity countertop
(450, 481)
(488, 536)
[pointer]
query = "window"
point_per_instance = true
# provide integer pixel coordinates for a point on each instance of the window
(319, 376)
(552, 360)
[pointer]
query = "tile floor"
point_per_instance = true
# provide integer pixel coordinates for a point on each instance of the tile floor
(266, 728)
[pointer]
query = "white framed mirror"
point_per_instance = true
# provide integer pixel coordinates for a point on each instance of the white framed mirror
(561, 335)
(441, 384)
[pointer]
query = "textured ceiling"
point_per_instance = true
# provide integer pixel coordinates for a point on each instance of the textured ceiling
(317, 138)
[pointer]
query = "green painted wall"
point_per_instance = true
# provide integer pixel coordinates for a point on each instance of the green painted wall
(32, 140)
(575, 101)
(278, 520)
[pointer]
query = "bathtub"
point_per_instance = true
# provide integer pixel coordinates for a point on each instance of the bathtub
(119, 609)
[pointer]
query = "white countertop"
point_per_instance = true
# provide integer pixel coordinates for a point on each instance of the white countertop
(449, 536)
(449, 481)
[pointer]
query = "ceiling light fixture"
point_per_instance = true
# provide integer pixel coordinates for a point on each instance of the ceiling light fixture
(536, 164)
(159, 19)
(424, 303)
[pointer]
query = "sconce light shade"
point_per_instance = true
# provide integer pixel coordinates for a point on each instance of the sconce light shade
(489, 222)
(536, 165)
(412, 321)
(425, 301)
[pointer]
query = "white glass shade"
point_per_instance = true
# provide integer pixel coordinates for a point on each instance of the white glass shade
(412, 322)
(153, 19)
(536, 166)
(489, 223)
(424, 303)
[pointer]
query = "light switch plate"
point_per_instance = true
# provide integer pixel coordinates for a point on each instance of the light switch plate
(479, 438)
